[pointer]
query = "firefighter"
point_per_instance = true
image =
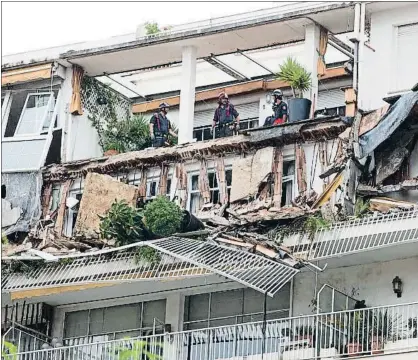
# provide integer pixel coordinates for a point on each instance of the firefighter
(160, 127)
(226, 117)
(279, 108)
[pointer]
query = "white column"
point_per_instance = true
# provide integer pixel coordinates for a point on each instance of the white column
(58, 323)
(311, 47)
(66, 117)
(187, 94)
(174, 311)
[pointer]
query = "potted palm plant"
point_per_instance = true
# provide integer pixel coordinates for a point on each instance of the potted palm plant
(299, 79)
(381, 331)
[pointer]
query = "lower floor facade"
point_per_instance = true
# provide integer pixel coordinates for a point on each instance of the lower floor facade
(339, 312)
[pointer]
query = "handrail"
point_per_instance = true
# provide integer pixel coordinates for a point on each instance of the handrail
(343, 322)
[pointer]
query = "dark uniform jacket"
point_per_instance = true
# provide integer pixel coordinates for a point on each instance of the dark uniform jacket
(280, 110)
(161, 124)
(225, 114)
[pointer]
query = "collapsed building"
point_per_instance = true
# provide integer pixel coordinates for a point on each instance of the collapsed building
(300, 222)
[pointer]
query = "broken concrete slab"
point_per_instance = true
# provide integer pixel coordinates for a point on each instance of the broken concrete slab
(248, 173)
(100, 192)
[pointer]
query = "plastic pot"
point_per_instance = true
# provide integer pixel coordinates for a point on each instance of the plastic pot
(299, 109)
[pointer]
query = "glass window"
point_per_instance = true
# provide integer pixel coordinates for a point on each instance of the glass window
(36, 114)
(195, 201)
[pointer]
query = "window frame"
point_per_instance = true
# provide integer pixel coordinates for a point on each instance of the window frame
(5, 110)
(290, 178)
(211, 190)
(151, 179)
(42, 122)
(69, 225)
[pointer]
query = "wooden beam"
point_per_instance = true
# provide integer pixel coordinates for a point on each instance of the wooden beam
(330, 189)
(238, 89)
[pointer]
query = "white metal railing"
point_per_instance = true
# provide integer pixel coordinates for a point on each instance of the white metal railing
(23, 338)
(357, 235)
(202, 133)
(377, 330)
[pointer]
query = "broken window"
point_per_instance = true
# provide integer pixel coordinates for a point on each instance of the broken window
(195, 197)
(71, 213)
(55, 198)
(152, 187)
(287, 182)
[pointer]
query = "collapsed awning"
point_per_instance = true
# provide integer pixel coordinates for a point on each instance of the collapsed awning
(32, 73)
(381, 128)
(254, 271)
(178, 258)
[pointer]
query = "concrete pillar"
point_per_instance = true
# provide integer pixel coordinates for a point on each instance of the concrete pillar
(310, 58)
(174, 311)
(58, 323)
(187, 94)
(66, 117)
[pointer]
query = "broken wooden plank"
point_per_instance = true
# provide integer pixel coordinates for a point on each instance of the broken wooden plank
(384, 204)
(235, 243)
(59, 223)
(223, 188)
(267, 252)
(278, 176)
(329, 191)
(300, 163)
(162, 185)
(204, 182)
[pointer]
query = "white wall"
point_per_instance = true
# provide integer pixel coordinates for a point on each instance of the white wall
(370, 282)
(378, 68)
(84, 139)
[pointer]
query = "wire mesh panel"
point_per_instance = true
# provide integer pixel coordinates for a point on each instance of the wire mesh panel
(249, 269)
(116, 266)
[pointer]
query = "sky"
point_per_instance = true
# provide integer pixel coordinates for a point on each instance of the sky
(46, 24)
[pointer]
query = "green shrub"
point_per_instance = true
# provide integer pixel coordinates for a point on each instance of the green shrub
(122, 223)
(163, 217)
(296, 76)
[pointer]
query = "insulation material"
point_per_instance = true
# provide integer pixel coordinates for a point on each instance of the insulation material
(301, 168)
(24, 192)
(248, 173)
(100, 192)
(220, 173)
(142, 188)
(162, 187)
(59, 223)
(387, 124)
(33, 73)
(323, 159)
(204, 182)
(369, 121)
(46, 200)
(278, 176)
(181, 176)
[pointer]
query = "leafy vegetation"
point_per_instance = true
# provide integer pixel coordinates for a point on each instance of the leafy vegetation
(127, 135)
(4, 240)
(152, 28)
(147, 254)
(302, 226)
(123, 223)
(120, 134)
(299, 79)
(361, 207)
(163, 217)
(9, 351)
(138, 349)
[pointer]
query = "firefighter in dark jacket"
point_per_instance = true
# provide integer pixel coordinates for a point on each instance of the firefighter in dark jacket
(226, 117)
(160, 127)
(279, 108)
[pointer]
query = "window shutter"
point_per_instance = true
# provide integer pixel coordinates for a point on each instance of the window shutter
(330, 99)
(406, 57)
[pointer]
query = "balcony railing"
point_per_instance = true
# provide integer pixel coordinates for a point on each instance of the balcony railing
(371, 331)
(202, 133)
(355, 236)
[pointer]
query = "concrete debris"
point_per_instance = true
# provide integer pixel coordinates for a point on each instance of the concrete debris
(251, 171)
(385, 205)
(100, 192)
(367, 190)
